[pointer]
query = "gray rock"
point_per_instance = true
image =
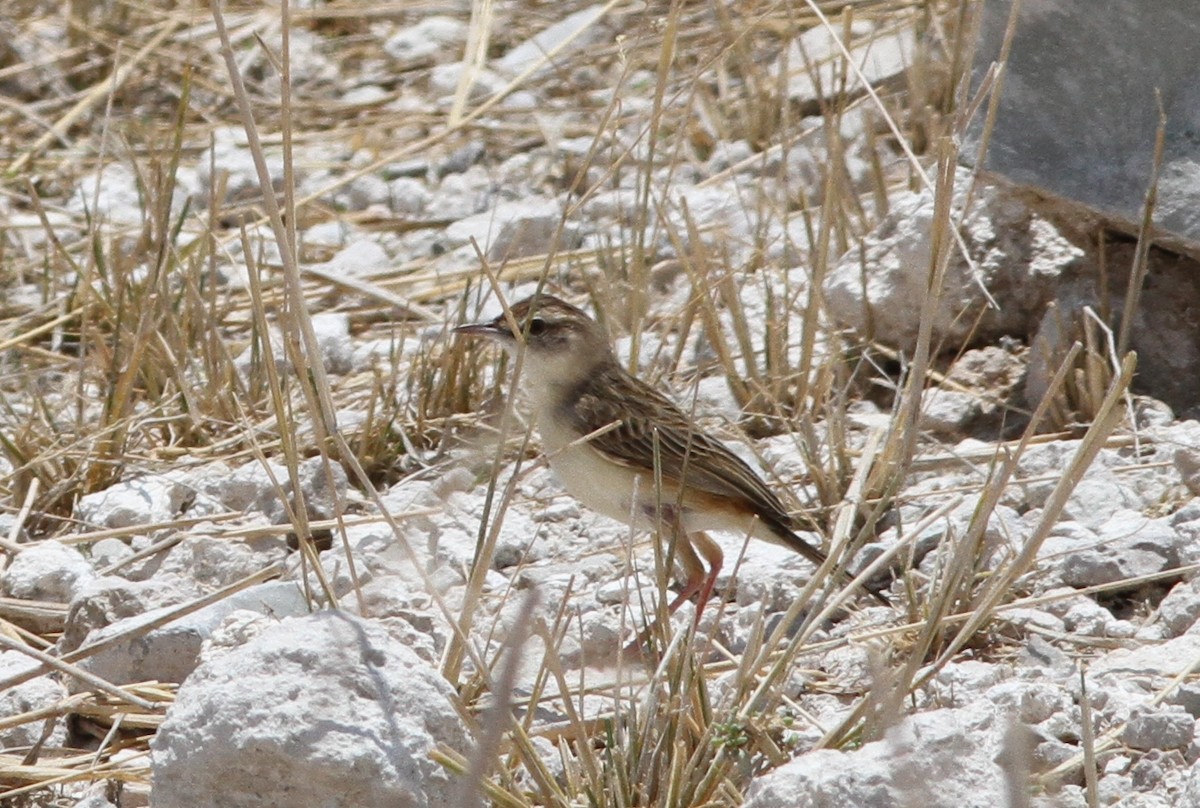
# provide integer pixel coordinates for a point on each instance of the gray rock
(323, 710)
(461, 195)
(1077, 115)
(1121, 794)
(1097, 499)
(1129, 545)
(107, 552)
(1020, 259)
(1088, 618)
(1158, 728)
(363, 192)
(1187, 456)
(1034, 619)
(961, 681)
(1114, 787)
(1186, 522)
(1069, 796)
(1187, 696)
(769, 575)
(1190, 798)
(1148, 773)
(1048, 754)
(1031, 702)
(1180, 609)
(1162, 333)
(948, 412)
(408, 615)
(1039, 657)
(407, 196)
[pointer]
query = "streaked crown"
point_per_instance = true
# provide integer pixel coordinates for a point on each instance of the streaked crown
(547, 324)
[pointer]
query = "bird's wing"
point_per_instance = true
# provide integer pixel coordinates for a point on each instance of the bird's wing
(649, 424)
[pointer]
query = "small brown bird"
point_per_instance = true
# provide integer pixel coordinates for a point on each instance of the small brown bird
(604, 431)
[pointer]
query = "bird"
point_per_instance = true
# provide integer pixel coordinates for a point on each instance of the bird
(627, 451)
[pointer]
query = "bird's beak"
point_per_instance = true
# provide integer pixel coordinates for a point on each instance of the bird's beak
(492, 330)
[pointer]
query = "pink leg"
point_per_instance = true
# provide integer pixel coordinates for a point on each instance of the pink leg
(713, 555)
(699, 582)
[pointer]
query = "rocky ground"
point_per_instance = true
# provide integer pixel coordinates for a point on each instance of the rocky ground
(208, 599)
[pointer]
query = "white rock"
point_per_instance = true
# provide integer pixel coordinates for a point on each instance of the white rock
(1031, 702)
(1167, 659)
(1187, 463)
(214, 562)
(939, 759)
(170, 653)
(105, 600)
(948, 412)
(113, 193)
(816, 66)
(252, 487)
(139, 500)
(769, 574)
(359, 257)
(230, 154)
(428, 38)
(960, 681)
(1018, 256)
(96, 799)
(1088, 618)
(107, 552)
(510, 230)
(363, 192)
(324, 710)
(461, 195)
(332, 330)
(444, 78)
(35, 694)
(1098, 497)
(48, 570)
(407, 196)
(534, 50)
(1180, 609)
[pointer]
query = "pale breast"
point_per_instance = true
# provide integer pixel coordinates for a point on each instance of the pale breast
(600, 484)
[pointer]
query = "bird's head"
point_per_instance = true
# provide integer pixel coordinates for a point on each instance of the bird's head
(562, 343)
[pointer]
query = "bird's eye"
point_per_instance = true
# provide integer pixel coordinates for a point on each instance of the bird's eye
(536, 326)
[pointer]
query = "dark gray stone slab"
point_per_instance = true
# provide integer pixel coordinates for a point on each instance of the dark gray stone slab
(1078, 112)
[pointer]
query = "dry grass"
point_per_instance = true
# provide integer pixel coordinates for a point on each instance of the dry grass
(126, 361)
